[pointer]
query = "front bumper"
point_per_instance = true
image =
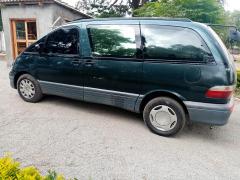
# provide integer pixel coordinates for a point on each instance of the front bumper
(214, 114)
(11, 78)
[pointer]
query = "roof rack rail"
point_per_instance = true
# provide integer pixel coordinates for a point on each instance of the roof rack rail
(221, 25)
(136, 18)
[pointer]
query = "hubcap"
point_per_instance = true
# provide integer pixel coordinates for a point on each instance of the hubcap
(27, 89)
(163, 118)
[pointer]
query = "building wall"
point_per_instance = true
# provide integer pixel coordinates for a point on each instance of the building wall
(43, 15)
(2, 42)
(64, 13)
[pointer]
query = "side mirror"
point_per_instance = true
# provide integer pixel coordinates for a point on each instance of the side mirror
(40, 47)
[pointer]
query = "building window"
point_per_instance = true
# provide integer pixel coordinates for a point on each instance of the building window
(24, 33)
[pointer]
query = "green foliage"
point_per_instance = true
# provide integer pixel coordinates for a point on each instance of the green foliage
(237, 91)
(103, 8)
(235, 18)
(238, 79)
(10, 169)
(29, 173)
(206, 11)
(223, 33)
(0, 20)
(52, 175)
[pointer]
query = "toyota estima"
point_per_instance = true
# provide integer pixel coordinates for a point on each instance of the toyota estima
(172, 71)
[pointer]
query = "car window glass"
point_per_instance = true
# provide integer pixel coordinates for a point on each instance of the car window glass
(112, 40)
(63, 41)
(173, 43)
(35, 46)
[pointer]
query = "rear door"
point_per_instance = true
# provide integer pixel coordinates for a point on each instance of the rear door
(176, 60)
(113, 67)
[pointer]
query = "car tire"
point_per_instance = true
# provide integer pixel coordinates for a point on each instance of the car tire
(29, 88)
(164, 116)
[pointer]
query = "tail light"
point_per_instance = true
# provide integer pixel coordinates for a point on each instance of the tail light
(220, 92)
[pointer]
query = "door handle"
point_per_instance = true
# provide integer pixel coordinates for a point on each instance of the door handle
(89, 63)
(76, 62)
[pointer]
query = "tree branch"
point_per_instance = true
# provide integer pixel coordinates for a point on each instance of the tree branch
(114, 2)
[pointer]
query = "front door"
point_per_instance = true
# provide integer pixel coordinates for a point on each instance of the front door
(24, 33)
(114, 69)
(59, 69)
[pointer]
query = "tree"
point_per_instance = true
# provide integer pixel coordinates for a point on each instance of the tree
(110, 8)
(103, 8)
(235, 18)
(206, 11)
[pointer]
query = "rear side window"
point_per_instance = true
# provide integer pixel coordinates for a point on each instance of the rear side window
(113, 40)
(63, 41)
(173, 43)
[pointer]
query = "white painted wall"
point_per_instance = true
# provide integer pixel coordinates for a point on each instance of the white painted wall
(42, 14)
(2, 42)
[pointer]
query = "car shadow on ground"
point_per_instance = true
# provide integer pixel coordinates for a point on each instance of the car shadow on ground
(196, 130)
(93, 107)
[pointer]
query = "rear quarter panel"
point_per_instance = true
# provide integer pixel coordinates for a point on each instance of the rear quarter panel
(188, 81)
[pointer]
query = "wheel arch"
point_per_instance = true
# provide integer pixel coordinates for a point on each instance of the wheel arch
(155, 94)
(17, 77)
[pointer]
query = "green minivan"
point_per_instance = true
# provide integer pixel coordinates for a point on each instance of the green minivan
(172, 71)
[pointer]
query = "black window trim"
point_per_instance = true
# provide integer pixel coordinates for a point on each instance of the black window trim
(137, 39)
(175, 61)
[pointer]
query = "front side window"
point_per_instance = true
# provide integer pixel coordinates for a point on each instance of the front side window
(63, 41)
(113, 40)
(173, 43)
(35, 47)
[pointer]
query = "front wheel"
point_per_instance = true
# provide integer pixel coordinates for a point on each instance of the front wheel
(29, 88)
(164, 116)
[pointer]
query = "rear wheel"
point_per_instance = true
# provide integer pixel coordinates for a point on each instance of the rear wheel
(164, 116)
(29, 88)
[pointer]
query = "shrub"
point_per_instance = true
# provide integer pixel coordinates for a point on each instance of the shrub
(10, 169)
(238, 79)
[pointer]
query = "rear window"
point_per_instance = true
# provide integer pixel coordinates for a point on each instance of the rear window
(222, 45)
(173, 43)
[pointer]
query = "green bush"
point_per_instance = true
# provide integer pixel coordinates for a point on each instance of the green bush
(10, 170)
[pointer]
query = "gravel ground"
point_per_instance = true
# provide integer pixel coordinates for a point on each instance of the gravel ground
(90, 141)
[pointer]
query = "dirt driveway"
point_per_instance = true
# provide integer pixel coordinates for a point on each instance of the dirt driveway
(90, 141)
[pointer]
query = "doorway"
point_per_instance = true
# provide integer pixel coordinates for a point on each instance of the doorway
(24, 33)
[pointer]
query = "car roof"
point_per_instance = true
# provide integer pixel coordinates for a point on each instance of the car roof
(182, 22)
